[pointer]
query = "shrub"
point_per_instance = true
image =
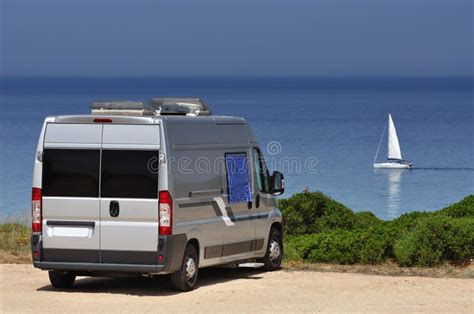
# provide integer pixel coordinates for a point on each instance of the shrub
(319, 229)
(314, 212)
(334, 247)
(406, 222)
(367, 246)
(291, 249)
(435, 240)
(464, 208)
(377, 244)
(365, 220)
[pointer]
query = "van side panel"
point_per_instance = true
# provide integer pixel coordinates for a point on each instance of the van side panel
(199, 179)
(194, 186)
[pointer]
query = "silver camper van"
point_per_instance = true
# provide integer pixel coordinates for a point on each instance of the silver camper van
(162, 187)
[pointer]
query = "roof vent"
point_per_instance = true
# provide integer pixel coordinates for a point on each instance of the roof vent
(180, 106)
(120, 107)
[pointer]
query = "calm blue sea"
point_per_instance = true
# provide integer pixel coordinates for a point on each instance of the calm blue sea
(323, 133)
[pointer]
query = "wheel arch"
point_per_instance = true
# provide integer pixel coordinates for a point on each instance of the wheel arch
(277, 225)
(195, 242)
(275, 220)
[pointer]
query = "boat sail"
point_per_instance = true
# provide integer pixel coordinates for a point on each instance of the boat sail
(394, 153)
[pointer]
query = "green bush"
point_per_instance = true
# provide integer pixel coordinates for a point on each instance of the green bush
(365, 220)
(405, 223)
(464, 208)
(334, 247)
(369, 246)
(319, 229)
(436, 240)
(409, 220)
(377, 244)
(313, 212)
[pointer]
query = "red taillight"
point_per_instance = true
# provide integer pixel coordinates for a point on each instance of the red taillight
(165, 213)
(103, 120)
(36, 210)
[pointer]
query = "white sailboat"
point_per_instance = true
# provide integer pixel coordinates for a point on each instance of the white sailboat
(394, 155)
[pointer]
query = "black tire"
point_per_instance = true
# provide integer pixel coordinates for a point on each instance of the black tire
(61, 280)
(274, 254)
(181, 280)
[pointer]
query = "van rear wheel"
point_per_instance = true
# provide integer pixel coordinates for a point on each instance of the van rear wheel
(274, 253)
(185, 279)
(61, 280)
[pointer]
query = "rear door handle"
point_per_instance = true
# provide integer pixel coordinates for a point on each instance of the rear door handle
(114, 208)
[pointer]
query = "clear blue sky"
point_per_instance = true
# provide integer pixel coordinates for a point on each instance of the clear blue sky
(236, 38)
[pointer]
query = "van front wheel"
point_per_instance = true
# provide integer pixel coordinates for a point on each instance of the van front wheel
(185, 279)
(274, 253)
(61, 280)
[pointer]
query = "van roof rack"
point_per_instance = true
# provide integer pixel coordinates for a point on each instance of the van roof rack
(156, 106)
(120, 107)
(190, 106)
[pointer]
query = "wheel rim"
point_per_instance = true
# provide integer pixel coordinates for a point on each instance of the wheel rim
(190, 268)
(274, 251)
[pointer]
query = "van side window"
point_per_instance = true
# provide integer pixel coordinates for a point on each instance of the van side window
(238, 178)
(71, 172)
(129, 174)
(261, 171)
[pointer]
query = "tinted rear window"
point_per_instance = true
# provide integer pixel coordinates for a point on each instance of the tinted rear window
(129, 174)
(71, 172)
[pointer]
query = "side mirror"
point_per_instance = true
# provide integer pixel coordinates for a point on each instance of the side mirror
(277, 183)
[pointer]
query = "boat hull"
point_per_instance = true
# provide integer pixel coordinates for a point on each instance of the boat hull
(392, 165)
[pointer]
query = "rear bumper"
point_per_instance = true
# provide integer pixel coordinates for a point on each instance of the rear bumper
(171, 248)
(96, 267)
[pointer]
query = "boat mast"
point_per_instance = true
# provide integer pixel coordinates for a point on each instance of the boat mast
(380, 142)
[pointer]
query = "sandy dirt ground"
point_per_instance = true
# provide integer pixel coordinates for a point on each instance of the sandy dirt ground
(25, 289)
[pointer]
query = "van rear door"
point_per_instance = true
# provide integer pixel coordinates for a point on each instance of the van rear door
(129, 194)
(70, 183)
